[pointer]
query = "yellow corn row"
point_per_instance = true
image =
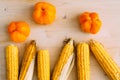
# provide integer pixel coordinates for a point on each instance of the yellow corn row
(43, 65)
(62, 61)
(28, 62)
(105, 60)
(83, 61)
(12, 62)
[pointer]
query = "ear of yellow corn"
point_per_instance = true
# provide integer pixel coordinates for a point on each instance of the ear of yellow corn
(27, 66)
(105, 60)
(43, 65)
(65, 62)
(83, 61)
(12, 63)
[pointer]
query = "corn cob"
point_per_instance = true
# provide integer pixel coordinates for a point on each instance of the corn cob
(27, 66)
(43, 65)
(12, 62)
(105, 60)
(65, 62)
(83, 61)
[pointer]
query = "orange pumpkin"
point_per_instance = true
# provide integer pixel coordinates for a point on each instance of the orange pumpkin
(44, 13)
(90, 22)
(18, 31)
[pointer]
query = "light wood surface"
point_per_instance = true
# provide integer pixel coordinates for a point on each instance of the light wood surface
(66, 25)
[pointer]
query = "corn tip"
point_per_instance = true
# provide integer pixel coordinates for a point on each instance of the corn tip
(91, 42)
(33, 42)
(11, 45)
(82, 43)
(70, 41)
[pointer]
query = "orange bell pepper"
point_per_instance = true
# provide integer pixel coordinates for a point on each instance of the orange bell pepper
(90, 22)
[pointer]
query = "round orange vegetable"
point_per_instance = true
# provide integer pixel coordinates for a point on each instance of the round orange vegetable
(18, 31)
(44, 13)
(90, 22)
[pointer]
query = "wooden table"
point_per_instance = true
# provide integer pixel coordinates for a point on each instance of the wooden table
(66, 25)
